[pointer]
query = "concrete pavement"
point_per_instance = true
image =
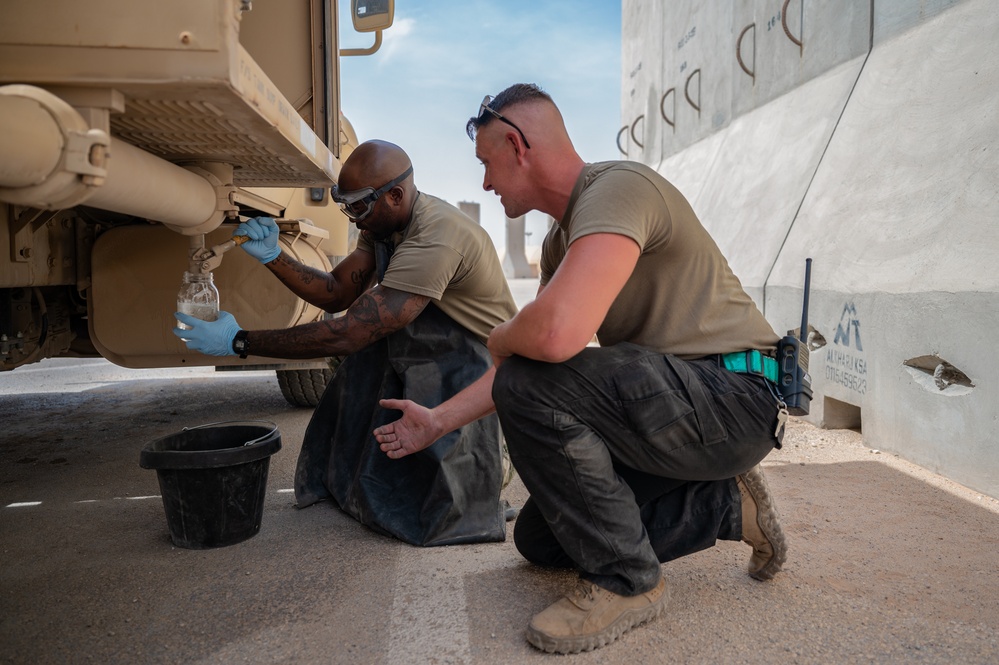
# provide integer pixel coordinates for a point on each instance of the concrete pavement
(888, 561)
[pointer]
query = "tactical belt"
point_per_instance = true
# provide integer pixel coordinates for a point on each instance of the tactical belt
(751, 362)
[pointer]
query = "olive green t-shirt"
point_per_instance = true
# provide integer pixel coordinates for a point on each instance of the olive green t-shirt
(682, 297)
(446, 256)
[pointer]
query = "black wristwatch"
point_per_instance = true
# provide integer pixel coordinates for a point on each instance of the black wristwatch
(240, 345)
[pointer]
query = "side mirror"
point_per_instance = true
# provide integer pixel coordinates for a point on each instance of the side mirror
(372, 15)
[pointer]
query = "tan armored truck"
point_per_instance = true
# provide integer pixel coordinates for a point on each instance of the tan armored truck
(134, 136)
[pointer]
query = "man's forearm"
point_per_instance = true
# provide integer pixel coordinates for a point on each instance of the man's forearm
(531, 334)
(473, 402)
(311, 340)
(566, 315)
(377, 313)
(316, 286)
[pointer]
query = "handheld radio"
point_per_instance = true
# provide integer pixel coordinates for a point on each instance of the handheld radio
(794, 382)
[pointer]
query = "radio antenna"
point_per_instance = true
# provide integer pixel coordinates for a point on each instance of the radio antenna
(803, 331)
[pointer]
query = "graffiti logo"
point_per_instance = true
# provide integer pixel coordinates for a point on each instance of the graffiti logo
(847, 320)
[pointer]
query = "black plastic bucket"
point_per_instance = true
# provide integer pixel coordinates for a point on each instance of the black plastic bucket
(213, 479)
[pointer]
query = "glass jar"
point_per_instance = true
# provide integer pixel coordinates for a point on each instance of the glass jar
(198, 297)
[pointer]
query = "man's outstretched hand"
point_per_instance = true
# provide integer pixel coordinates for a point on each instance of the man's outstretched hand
(414, 431)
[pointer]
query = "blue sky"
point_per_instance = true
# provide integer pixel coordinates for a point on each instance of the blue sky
(441, 57)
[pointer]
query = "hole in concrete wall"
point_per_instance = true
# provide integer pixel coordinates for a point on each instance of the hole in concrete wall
(840, 415)
(938, 376)
(815, 339)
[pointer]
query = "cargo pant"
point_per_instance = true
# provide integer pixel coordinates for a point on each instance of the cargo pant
(630, 457)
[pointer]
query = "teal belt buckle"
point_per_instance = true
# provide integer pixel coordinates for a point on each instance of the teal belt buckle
(751, 362)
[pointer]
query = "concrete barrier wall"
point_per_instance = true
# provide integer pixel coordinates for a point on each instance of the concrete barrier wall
(691, 66)
(876, 157)
(639, 138)
(755, 177)
(792, 42)
(696, 79)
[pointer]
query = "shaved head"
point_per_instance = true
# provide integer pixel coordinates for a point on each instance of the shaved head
(372, 166)
(374, 163)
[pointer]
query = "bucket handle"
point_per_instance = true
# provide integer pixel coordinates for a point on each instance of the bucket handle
(236, 422)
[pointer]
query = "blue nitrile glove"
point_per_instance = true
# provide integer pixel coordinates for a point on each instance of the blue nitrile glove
(213, 338)
(263, 243)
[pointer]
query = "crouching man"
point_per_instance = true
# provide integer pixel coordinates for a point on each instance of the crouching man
(643, 449)
(420, 295)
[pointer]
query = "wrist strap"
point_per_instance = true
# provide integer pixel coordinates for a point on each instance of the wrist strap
(240, 346)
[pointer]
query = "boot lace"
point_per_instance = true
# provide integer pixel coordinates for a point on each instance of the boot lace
(586, 590)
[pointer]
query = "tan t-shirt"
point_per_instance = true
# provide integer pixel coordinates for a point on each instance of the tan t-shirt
(682, 297)
(445, 255)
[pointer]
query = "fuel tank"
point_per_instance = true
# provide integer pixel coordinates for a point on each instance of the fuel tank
(136, 275)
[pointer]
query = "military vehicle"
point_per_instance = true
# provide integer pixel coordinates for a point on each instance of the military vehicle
(134, 136)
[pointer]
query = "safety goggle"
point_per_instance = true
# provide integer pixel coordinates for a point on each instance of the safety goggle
(485, 108)
(359, 203)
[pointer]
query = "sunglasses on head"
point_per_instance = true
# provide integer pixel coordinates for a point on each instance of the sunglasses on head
(359, 203)
(485, 108)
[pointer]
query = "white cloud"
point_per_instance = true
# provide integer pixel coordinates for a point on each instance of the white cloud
(395, 40)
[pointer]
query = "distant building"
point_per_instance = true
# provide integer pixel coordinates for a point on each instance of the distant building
(470, 208)
(515, 263)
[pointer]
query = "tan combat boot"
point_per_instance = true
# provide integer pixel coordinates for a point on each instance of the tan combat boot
(761, 525)
(592, 616)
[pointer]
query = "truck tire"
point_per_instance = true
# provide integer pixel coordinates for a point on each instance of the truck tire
(303, 387)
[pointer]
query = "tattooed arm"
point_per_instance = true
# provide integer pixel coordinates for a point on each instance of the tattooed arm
(378, 312)
(332, 291)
